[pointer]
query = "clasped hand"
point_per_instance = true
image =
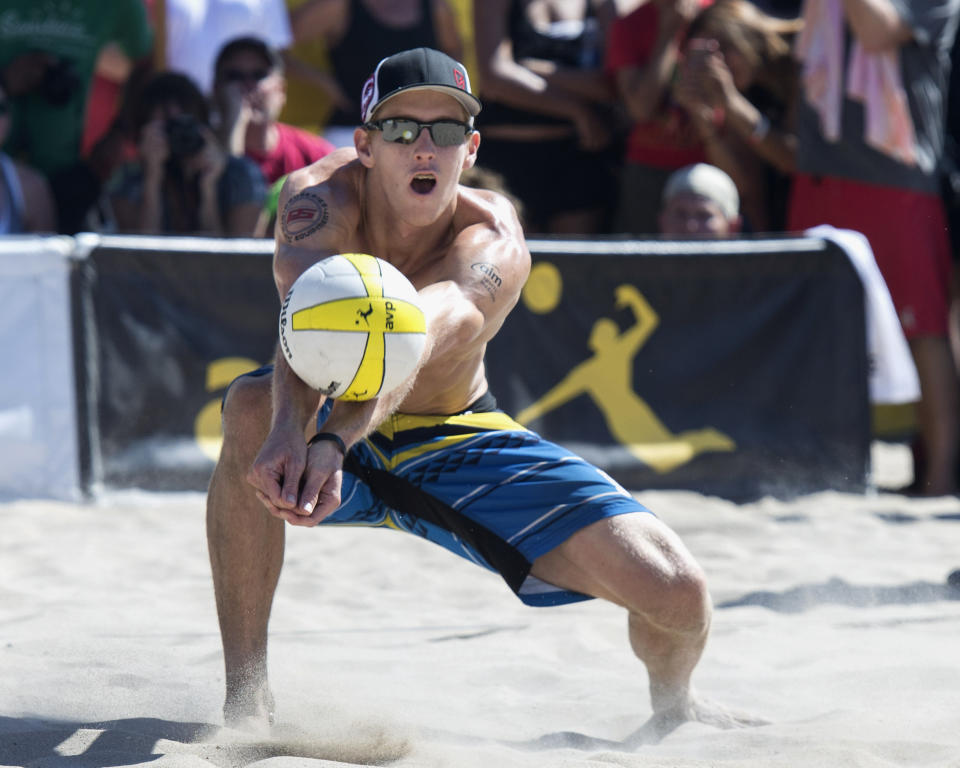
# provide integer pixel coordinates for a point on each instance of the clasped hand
(296, 482)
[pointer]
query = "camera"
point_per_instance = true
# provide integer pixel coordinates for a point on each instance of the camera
(59, 82)
(183, 135)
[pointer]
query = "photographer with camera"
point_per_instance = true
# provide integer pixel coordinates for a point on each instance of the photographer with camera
(183, 181)
(48, 53)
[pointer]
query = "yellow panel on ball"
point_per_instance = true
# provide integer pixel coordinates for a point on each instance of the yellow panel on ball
(334, 322)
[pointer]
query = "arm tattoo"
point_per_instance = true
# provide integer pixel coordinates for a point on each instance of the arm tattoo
(303, 215)
(490, 279)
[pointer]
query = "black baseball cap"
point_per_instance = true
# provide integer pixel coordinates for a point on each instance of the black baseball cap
(416, 70)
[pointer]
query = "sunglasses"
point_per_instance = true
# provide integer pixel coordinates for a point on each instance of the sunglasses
(406, 130)
(242, 75)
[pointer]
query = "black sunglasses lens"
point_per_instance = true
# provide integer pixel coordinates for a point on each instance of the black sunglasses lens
(400, 131)
(448, 134)
(443, 133)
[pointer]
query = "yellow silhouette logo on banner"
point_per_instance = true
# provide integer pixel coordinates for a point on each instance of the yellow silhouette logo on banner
(607, 378)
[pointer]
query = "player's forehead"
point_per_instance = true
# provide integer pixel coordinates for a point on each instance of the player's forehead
(423, 105)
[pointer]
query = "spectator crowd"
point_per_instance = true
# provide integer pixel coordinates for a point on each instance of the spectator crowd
(683, 118)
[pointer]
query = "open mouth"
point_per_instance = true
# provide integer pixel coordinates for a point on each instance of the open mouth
(423, 183)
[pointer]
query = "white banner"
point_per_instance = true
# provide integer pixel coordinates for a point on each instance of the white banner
(38, 424)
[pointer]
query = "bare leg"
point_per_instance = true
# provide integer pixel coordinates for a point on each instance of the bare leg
(246, 554)
(637, 562)
(939, 414)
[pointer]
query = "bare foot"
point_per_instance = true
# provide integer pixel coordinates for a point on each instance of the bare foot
(252, 711)
(691, 710)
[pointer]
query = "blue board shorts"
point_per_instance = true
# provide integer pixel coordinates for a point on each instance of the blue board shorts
(480, 485)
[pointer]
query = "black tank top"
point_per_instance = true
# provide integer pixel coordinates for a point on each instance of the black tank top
(577, 49)
(365, 44)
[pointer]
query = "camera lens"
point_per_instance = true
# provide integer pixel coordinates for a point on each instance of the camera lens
(183, 135)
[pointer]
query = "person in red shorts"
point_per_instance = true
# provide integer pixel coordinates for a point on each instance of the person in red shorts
(249, 90)
(870, 138)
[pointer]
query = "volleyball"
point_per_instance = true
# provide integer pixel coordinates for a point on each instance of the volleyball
(351, 326)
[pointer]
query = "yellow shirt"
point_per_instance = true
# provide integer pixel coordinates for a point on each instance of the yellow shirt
(307, 106)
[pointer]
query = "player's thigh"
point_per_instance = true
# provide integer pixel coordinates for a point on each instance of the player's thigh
(633, 560)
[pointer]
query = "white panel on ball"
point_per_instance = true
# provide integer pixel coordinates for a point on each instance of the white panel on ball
(351, 326)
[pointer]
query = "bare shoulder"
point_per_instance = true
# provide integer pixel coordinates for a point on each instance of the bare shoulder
(320, 200)
(489, 254)
(487, 220)
(318, 214)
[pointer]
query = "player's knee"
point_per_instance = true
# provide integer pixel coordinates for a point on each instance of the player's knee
(246, 413)
(671, 590)
(686, 600)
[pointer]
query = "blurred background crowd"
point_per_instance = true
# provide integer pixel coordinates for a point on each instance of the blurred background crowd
(645, 118)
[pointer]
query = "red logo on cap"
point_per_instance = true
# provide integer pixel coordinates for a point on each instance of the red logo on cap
(366, 96)
(459, 78)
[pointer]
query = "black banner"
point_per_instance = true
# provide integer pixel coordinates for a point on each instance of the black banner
(732, 368)
(175, 322)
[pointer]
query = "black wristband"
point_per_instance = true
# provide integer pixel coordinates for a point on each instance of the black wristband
(332, 438)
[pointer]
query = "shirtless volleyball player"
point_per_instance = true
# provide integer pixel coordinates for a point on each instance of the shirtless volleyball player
(555, 527)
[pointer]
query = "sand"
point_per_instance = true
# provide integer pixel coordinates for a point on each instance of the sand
(833, 620)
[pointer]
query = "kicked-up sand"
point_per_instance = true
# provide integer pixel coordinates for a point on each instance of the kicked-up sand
(833, 620)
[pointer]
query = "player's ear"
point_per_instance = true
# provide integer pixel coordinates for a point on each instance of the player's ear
(362, 140)
(473, 143)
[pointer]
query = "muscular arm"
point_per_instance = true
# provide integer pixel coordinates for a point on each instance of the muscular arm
(465, 300)
(294, 402)
(276, 474)
(479, 284)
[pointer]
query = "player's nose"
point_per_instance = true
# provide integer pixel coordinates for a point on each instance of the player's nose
(424, 146)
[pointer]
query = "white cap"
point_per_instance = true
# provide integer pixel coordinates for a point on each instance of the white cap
(707, 181)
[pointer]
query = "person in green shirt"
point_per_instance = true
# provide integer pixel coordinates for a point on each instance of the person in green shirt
(48, 53)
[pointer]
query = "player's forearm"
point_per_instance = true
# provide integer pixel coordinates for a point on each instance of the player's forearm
(353, 421)
(294, 402)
